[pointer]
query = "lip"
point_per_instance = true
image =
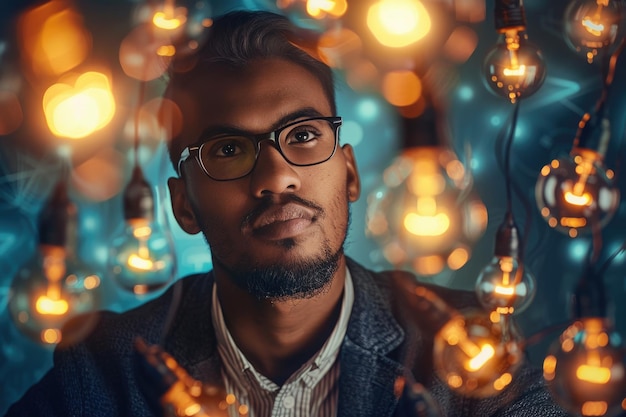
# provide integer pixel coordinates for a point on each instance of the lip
(282, 222)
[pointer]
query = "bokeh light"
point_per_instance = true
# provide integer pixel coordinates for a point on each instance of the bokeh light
(398, 23)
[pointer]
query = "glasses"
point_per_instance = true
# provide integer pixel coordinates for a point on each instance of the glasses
(231, 156)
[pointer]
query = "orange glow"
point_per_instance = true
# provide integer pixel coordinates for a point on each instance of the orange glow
(320, 8)
(170, 21)
(51, 336)
(53, 38)
(428, 225)
(584, 199)
(138, 262)
(401, 88)
(458, 258)
(461, 44)
(593, 374)
(100, 177)
(478, 361)
(515, 72)
(78, 111)
(398, 23)
(338, 46)
(573, 222)
(50, 306)
(594, 408)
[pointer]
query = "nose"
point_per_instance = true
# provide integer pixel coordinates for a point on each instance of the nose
(272, 173)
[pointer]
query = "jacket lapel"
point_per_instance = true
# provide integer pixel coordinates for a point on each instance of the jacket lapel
(368, 367)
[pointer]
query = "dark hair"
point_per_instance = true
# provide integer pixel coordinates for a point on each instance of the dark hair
(239, 37)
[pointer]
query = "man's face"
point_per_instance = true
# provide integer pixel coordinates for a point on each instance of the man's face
(280, 217)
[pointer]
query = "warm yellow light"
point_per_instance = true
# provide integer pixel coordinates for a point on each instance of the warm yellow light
(163, 21)
(593, 374)
(142, 232)
(51, 336)
(594, 408)
(318, 8)
(429, 225)
(486, 352)
(79, 110)
(592, 26)
(584, 199)
(138, 262)
(50, 306)
(166, 50)
(504, 290)
(398, 23)
(574, 222)
(515, 72)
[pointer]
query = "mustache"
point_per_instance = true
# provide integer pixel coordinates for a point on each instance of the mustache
(268, 202)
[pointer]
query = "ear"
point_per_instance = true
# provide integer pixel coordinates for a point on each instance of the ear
(181, 207)
(353, 180)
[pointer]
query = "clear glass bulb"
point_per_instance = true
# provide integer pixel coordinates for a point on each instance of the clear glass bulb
(424, 216)
(179, 393)
(142, 257)
(591, 25)
(48, 291)
(585, 369)
(514, 68)
(576, 193)
(477, 357)
(505, 285)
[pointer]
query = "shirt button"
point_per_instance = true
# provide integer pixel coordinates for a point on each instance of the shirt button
(289, 401)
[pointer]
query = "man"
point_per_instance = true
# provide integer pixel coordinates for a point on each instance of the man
(285, 321)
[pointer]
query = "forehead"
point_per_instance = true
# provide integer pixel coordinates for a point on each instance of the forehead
(251, 98)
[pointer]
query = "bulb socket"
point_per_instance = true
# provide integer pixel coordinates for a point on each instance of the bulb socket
(507, 238)
(138, 197)
(54, 218)
(509, 15)
(589, 298)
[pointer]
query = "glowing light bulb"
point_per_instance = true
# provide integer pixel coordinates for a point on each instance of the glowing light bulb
(55, 286)
(76, 111)
(142, 254)
(505, 285)
(178, 392)
(423, 216)
(576, 192)
(514, 68)
(477, 357)
(585, 369)
(591, 26)
(398, 23)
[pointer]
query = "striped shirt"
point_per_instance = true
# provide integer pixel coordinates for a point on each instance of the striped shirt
(312, 391)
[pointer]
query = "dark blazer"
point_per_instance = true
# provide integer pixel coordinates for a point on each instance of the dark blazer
(385, 339)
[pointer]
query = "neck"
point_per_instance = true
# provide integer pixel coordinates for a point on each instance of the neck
(278, 337)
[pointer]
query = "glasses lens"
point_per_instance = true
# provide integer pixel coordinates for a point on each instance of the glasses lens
(308, 142)
(228, 157)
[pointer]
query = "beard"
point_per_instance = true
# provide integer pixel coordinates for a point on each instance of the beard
(299, 279)
(296, 280)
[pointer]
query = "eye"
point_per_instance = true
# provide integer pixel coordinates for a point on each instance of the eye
(302, 134)
(228, 147)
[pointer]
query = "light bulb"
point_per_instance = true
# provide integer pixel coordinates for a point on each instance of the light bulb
(576, 193)
(179, 394)
(55, 286)
(50, 290)
(514, 68)
(585, 369)
(142, 254)
(477, 357)
(505, 285)
(591, 26)
(398, 23)
(423, 216)
(180, 27)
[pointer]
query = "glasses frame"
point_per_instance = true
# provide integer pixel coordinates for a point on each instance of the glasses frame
(335, 122)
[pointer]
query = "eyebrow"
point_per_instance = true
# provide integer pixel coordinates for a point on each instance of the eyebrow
(219, 130)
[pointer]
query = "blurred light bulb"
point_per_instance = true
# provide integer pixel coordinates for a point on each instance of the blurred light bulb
(423, 216)
(505, 285)
(576, 193)
(585, 369)
(514, 68)
(398, 23)
(477, 357)
(179, 394)
(591, 25)
(55, 286)
(142, 254)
